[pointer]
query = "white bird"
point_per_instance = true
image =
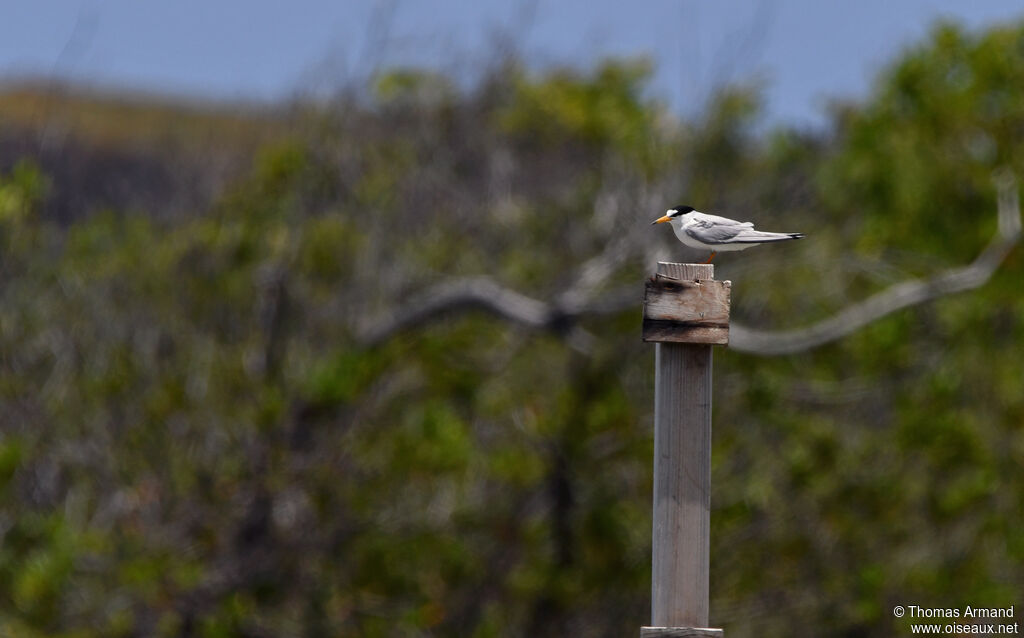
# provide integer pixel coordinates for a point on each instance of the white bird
(711, 232)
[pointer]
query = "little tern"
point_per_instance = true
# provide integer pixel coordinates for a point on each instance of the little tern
(711, 232)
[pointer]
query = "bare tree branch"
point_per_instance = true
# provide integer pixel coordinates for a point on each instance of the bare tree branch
(478, 293)
(896, 297)
(482, 293)
(622, 243)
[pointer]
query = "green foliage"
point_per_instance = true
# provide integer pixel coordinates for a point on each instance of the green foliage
(198, 439)
(21, 192)
(606, 112)
(919, 158)
(409, 86)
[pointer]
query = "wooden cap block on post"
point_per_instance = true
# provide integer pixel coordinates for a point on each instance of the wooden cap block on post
(680, 306)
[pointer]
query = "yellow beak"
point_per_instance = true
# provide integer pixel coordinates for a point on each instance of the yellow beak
(661, 219)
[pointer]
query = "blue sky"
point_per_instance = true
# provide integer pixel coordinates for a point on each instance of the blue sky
(803, 52)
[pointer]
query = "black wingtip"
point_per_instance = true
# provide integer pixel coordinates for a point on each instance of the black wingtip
(796, 235)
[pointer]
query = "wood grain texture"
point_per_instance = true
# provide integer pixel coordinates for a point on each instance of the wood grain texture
(673, 332)
(680, 632)
(683, 306)
(698, 302)
(682, 475)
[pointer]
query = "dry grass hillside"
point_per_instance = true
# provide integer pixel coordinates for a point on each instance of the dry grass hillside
(130, 151)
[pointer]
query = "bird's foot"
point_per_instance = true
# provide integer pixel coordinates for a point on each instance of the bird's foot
(713, 253)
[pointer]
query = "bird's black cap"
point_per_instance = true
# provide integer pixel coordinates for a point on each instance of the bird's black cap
(682, 209)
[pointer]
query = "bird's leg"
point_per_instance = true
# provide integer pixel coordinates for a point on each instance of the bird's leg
(713, 253)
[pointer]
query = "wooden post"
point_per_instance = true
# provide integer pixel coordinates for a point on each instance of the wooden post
(685, 311)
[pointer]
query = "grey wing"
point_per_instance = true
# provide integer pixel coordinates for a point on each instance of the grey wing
(705, 218)
(712, 229)
(712, 234)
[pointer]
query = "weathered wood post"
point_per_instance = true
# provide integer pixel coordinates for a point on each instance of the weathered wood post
(686, 312)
